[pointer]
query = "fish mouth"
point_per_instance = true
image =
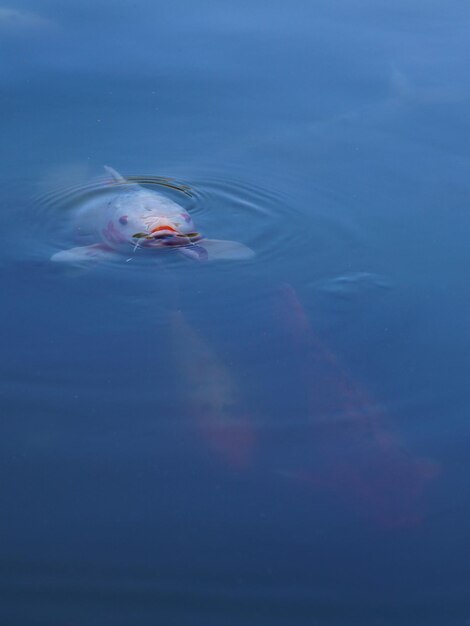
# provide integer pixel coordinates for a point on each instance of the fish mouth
(166, 229)
(166, 236)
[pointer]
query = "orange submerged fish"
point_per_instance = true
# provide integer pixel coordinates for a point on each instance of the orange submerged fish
(353, 452)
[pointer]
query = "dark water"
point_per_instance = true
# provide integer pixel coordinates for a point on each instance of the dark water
(279, 441)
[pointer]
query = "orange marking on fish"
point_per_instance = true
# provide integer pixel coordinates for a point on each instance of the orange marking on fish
(167, 227)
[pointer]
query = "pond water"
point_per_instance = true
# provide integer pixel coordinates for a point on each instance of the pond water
(280, 440)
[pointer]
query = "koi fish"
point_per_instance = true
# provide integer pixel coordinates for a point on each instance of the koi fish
(130, 217)
(353, 452)
(212, 396)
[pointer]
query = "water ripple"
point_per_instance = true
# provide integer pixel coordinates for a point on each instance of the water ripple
(272, 220)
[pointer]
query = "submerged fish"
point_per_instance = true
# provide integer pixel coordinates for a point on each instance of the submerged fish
(131, 217)
(213, 398)
(353, 451)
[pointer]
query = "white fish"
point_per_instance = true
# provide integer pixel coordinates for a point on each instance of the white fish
(131, 217)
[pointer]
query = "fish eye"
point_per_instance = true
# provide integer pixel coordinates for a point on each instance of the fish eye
(123, 219)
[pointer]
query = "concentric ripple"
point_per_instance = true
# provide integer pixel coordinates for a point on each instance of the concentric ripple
(274, 222)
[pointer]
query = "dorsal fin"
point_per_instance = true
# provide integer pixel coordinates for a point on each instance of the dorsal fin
(116, 176)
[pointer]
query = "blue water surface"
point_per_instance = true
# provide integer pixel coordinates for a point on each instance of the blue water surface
(276, 441)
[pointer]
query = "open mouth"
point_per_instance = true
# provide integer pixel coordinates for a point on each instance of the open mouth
(167, 236)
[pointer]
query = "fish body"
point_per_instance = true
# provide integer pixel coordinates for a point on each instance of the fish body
(130, 217)
(353, 451)
(213, 398)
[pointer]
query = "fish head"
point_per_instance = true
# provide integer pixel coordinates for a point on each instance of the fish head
(154, 223)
